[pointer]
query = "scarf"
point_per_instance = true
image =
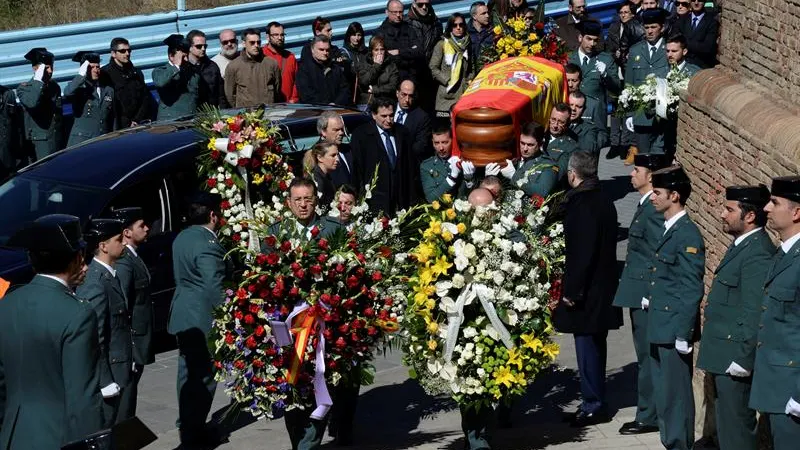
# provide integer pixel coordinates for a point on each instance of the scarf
(455, 52)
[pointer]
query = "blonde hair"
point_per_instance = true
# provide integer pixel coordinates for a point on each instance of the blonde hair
(317, 151)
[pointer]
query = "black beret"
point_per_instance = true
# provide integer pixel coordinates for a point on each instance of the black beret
(652, 161)
(590, 27)
(128, 216)
(754, 195)
(81, 56)
(40, 55)
(206, 199)
(670, 178)
(52, 233)
(656, 15)
(177, 41)
(787, 187)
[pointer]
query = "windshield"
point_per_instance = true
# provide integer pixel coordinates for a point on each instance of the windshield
(24, 199)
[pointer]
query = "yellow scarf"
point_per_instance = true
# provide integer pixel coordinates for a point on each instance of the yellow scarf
(455, 53)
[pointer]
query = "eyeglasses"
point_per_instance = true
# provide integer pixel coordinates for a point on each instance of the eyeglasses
(229, 42)
(258, 42)
(684, 4)
(422, 5)
(200, 46)
(458, 24)
(123, 50)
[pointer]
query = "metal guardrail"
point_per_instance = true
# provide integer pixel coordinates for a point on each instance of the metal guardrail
(145, 33)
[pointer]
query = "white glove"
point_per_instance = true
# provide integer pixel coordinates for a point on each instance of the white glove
(682, 347)
(469, 169)
(39, 74)
(492, 169)
(133, 367)
(508, 170)
(454, 170)
(736, 370)
(645, 303)
(600, 66)
(112, 390)
(84, 68)
(629, 124)
(793, 408)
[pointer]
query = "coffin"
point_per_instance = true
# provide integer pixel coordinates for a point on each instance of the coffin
(504, 96)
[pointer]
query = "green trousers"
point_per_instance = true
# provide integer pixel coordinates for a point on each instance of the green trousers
(304, 432)
(785, 431)
(672, 382)
(736, 423)
(478, 426)
(645, 402)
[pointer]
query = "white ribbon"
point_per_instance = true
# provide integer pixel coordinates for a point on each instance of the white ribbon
(455, 317)
(232, 158)
(661, 97)
(322, 398)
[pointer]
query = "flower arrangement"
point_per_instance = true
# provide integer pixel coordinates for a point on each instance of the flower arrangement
(513, 38)
(659, 96)
(477, 322)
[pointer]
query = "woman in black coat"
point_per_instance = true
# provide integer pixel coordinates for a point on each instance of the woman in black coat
(378, 75)
(320, 162)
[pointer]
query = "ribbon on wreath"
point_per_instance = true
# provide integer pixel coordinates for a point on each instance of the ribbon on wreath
(662, 87)
(232, 158)
(301, 323)
(455, 316)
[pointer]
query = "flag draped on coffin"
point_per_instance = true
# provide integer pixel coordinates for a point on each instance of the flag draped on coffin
(526, 88)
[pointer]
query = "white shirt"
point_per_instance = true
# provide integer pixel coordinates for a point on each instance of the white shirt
(645, 197)
(744, 236)
(669, 223)
(655, 46)
(789, 243)
(582, 55)
(397, 110)
(383, 138)
(109, 268)
(209, 230)
(131, 249)
(699, 18)
(681, 65)
(303, 229)
(575, 19)
(53, 277)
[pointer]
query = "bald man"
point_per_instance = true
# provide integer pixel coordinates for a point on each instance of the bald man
(481, 197)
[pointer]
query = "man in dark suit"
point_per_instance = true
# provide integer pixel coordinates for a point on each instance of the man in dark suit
(383, 146)
(728, 346)
(330, 128)
(49, 385)
(197, 260)
(701, 29)
(415, 119)
(134, 279)
(590, 280)
(102, 290)
(567, 25)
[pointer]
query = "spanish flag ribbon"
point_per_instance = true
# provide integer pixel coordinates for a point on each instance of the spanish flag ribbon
(301, 327)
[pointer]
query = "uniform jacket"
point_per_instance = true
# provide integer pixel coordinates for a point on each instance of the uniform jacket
(103, 292)
(288, 229)
(43, 115)
(134, 279)
(199, 270)
(775, 373)
(691, 69)
(560, 148)
(701, 41)
(646, 230)
(734, 305)
(250, 82)
(132, 99)
(212, 86)
(676, 284)
(93, 109)
(640, 65)
(323, 84)
(433, 173)
(49, 385)
(404, 38)
(10, 126)
(441, 73)
(594, 84)
(538, 175)
(590, 279)
(287, 63)
(383, 78)
(591, 137)
(178, 90)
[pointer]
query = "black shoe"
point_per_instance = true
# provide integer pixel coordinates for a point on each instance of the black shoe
(584, 419)
(570, 416)
(635, 427)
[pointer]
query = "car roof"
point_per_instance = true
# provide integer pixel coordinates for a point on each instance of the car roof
(105, 162)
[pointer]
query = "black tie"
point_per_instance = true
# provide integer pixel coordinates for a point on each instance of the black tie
(585, 60)
(652, 51)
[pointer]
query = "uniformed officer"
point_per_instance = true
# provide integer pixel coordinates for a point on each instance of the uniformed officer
(673, 303)
(591, 137)
(599, 71)
(50, 394)
(177, 84)
(304, 218)
(197, 261)
(440, 174)
(776, 384)
(647, 228)
(10, 143)
(102, 290)
(92, 103)
(648, 57)
(728, 346)
(675, 49)
(41, 101)
(134, 279)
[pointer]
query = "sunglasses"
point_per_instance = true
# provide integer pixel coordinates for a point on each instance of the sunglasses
(228, 42)
(123, 50)
(254, 42)
(684, 4)
(458, 25)
(200, 46)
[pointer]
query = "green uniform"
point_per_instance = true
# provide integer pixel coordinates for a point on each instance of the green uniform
(92, 107)
(676, 289)
(290, 228)
(776, 377)
(102, 290)
(178, 91)
(433, 173)
(649, 130)
(540, 174)
(669, 126)
(10, 143)
(134, 279)
(729, 335)
(43, 116)
(596, 84)
(49, 385)
(647, 227)
(591, 138)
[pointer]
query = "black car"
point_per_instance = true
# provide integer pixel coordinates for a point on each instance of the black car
(151, 166)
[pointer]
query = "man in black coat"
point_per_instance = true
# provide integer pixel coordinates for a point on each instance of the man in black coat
(402, 41)
(320, 81)
(212, 85)
(415, 119)
(701, 29)
(133, 103)
(330, 127)
(383, 145)
(590, 282)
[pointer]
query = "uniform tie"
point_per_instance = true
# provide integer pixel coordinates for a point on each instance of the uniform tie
(652, 51)
(585, 60)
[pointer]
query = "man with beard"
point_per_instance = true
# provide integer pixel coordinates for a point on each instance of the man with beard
(228, 51)
(275, 49)
(402, 41)
(133, 103)
(591, 138)
(92, 102)
(321, 81)
(252, 79)
(178, 85)
(212, 88)
(41, 102)
(567, 26)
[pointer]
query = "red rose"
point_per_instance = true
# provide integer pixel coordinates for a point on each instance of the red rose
(334, 301)
(249, 319)
(354, 337)
(225, 204)
(260, 331)
(255, 163)
(323, 243)
(257, 363)
(369, 312)
(241, 293)
(276, 292)
(322, 258)
(214, 154)
(211, 182)
(314, 231)
(352, 282)
(286, 246)
(294, 291)
(537, 200)
(282, 185)
(358, 324)
(271, 351)
(383, 314)
(316, 269)
(239, 364)
(340, 268)
(270, 241)
(242, 162)
(236, 125)
(327, 334)
(300, 274)
(236, 237)
(332, 365)
(229, 339)
(519, 219)
(229, 182)
(218, 365)
(257, 380)
(377, 276)
(388, 301)
(326, 298)
(340, 343)
(261, 259)
(238, 315)
(540, 26)
(263, 293)
(372, 331)
(254, 309)
(385, 222)
(349, 304)
(344, 328)
(251, 288)
(272, 259)
(231, 146)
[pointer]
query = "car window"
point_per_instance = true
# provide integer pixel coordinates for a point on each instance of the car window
(182, 182)
(25, 199)
(148, 195)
